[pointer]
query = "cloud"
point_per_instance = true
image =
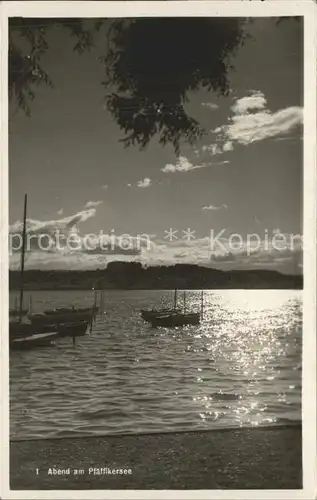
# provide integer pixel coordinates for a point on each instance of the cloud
(73, 220)
(215, 207)
(109, 245)
(50, 226)
(95, 251)
(74, 261)
(146, 182)
(214, 149)
(251, 121)
(265, 255)
(255, 101)
(247, 127)
(201, 252)
(91, 204)
(228, 146)
(217, 149)
(48, 233)
(60, 244)
(184, 165)
(210, 105)
(289, 138)
(105, 186)
(250, 128)
(60, 211)
(286, 260)
(178, 252)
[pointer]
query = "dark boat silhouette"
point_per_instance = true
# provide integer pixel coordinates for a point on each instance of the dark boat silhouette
(151, 314)
(48, 318)
(15, 313)
(175, 318)
(24, 335)
(74, 329)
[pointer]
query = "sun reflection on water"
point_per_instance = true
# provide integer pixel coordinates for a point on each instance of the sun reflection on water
(240, 367)
(248, 336)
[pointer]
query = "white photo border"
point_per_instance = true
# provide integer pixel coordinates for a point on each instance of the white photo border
(106, 9)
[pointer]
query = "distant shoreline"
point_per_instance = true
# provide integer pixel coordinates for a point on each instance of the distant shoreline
(132, 276)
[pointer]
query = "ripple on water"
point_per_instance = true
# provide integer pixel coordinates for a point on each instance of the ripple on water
(241, 366)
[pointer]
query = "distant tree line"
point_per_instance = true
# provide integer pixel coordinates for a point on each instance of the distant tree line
(127, 275)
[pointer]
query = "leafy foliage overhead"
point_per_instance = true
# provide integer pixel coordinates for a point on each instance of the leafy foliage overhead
(150, 64)
(28, 44)
(154, 63)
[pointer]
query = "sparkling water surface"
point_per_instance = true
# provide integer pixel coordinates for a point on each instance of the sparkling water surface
(240, 367)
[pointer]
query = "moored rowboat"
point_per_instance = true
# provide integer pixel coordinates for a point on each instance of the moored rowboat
(71, 310)
(17, 330)
(74, 329)
(148, 315)
(176, 319)
(35, 340)
(179, 318)
(59, 317)
(15, 313)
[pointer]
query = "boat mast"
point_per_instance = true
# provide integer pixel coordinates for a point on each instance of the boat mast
(95, 297)
(202, 305)
(30, 305)
(22, 260)
(175, 298)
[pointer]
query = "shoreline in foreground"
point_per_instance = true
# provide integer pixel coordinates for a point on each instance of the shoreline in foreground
(246, 458)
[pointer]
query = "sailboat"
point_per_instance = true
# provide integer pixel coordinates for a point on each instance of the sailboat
(14, 313)
(23, 335)
(25, 338)
(150, 314)
(58, 316)
(183, 318)
(63, 315)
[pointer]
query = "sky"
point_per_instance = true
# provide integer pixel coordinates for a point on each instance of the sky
(244, 178)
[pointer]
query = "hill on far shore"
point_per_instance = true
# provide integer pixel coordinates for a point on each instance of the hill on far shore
(131, 275)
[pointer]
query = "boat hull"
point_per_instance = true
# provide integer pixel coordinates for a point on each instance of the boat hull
(72, 310)
(149, 315)
(35, 340)
(77, 329)
(58, 318)
(14, 313)
(18, 330)
(174, 320)
(22, 331)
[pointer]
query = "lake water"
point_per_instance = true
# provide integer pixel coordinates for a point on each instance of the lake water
(240, 367)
